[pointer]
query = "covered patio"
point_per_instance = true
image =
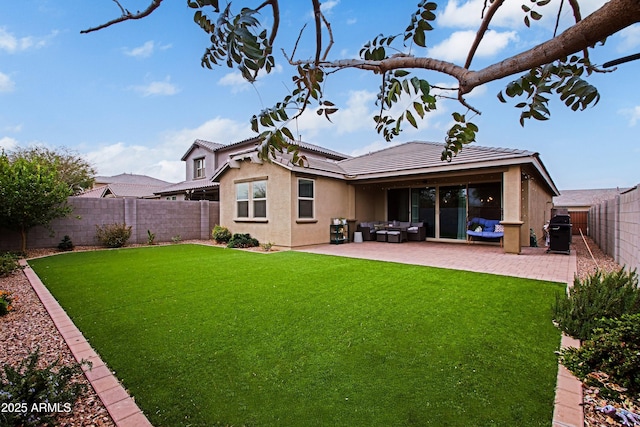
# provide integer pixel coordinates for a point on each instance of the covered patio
(533, 263)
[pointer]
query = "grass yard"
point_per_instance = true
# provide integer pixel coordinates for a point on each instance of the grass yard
(205, 336)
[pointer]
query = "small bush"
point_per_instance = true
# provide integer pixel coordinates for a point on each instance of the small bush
(601, 295)
(6, 302)
(113, 235)
(66, 244)
(176, 239)
(242, 241)
(24, 389)
(151, 238)
(221, 234)
(266, 246)
(614, 349)
(8, 264)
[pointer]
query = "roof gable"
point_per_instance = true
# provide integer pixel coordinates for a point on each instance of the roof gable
(207, 145)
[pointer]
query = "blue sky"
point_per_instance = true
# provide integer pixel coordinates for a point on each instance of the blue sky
(133, 97)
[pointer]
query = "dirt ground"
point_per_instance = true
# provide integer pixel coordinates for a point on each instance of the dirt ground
(29, 327)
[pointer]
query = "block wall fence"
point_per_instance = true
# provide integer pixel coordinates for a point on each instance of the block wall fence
(615, 226)
(166, 218)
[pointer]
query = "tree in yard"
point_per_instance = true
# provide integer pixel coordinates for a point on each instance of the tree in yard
(557, 67)
(72, 169)
(31, 193)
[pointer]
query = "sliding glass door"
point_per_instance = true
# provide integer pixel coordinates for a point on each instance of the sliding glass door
(444, 209)
(423, 208)
(453, 212)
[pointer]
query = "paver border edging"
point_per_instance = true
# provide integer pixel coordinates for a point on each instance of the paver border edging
(121, 407)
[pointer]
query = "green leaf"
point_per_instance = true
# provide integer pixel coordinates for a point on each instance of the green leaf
(411, 119)
(419, 38)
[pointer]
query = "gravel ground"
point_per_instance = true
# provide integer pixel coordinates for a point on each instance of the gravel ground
(29, 327)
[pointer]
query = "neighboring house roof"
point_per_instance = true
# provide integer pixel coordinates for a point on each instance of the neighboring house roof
(125, 185)
(131, 178)
(582, 198)
(410, 158)
(117, 190)
(183, 186)
(207, 145)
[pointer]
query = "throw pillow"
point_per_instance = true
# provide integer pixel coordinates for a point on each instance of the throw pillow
(499, 228)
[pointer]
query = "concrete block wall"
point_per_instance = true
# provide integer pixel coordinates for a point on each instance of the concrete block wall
(615, 226)
(165, 218)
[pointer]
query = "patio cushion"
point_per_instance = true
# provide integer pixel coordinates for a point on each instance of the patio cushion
(412, 230)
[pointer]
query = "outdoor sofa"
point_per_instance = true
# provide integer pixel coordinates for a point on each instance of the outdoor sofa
(485, 229)
(392, 231)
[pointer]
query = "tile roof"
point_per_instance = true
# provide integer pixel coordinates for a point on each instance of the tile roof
(122, 190)
(304, 145)
(131, 178)
(181, 187)
(417, 155)
(569, 198)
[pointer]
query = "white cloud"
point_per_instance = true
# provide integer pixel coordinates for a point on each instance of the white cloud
(8, 143)
(630, 38)
(468, 14)
(633, 114)
(157, 88)
(12, 44)
(455, 48)
(6, 84)
(235, 81)
(327, 6)
(354, 116)
(162, 160)
(144, 51)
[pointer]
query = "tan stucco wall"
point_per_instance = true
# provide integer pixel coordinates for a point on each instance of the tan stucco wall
(536, 210)
(370, 203)
(331, 201)
(282, 227)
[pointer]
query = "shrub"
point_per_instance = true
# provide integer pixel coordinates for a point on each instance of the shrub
(176, 239)
(66, 244)
(221, 234)
(113, 235)
(242, 241)
(24, 389)
(6, 300)
(151, 238)
(266, 246)
(614, 349)
(8, 264)
(601, 295)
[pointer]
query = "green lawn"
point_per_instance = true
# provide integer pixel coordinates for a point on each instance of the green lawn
(204, 336)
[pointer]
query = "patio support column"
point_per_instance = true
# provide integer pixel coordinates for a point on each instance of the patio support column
(512, 187)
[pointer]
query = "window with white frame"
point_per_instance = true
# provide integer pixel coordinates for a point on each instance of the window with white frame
(306, 200)
(251, 199)
(198, 168)
(259, 198)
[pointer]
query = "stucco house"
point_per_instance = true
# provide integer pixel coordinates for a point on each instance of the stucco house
(288, 205)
